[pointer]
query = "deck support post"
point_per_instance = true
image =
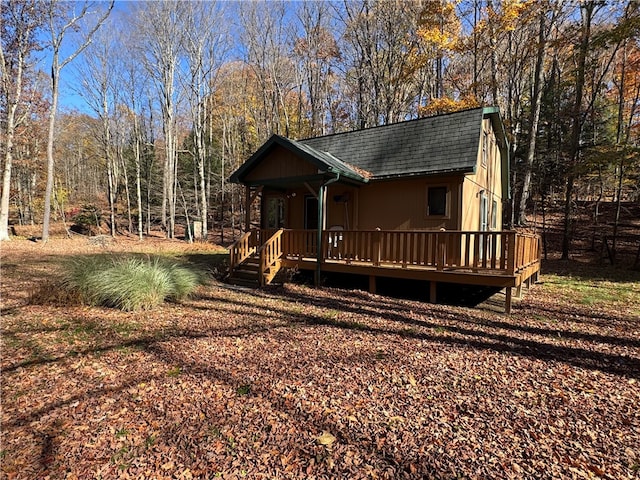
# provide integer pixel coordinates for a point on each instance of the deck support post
(507, 302)
(432, 292)
(519, 291)
(372, 284)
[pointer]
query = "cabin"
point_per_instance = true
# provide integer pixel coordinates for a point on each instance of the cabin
(420, 199)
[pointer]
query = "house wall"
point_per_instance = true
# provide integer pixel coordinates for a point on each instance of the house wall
(281, 163)
(487, 179)
(394, 205)
(388, 205)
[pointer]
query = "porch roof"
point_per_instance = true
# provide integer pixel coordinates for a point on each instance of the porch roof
(328, 164)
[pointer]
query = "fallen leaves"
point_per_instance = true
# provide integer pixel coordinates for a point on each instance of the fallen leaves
(326, 439)
(294, 382)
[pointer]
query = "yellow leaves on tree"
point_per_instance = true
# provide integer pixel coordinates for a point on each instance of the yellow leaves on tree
(507, 16)
(447, 105)
(438, 26)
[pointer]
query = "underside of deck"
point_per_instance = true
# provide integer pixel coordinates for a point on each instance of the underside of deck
(431, 275)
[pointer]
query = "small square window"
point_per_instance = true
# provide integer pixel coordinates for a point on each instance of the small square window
(437, 201)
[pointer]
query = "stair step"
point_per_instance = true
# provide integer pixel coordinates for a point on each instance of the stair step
(245, 274)
(242, 282)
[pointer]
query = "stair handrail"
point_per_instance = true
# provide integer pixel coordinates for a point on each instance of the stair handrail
(242, 249)
(270, 253)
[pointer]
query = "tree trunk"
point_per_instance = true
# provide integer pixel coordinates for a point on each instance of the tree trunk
(137, 152)
(55, 72)
(13, 101)
(534, 118)
(587, 9)
(56, 67)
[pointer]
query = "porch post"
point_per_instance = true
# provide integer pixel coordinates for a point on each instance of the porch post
(319, 253)
(322, 193)
(247, 208)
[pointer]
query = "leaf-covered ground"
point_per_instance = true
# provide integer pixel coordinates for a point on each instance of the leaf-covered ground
(295, 382)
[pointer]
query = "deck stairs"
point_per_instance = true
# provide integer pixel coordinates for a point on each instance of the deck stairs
(247, 274)
(257, 265)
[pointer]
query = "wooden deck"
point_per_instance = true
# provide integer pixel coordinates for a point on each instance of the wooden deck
(504, 259)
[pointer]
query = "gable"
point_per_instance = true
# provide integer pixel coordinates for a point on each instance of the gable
(280, 163)
(288, 160)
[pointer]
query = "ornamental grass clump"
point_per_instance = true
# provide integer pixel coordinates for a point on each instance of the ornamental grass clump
(129, 282)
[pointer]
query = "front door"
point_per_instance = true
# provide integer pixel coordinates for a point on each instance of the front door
(484, 212)
(310, 212)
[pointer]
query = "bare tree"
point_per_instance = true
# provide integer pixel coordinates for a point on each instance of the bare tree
(266, 36)
(96, 76)
(62, 18)
(376, 36)
(318, 53)
(204, 40)
(159, 24)
(134, 82)
(21, 21)
(547, 17)
(583, 105)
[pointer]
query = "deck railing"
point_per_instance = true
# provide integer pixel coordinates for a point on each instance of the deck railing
(505, 251)
(270, 255)
(243, 248)
(528, 250)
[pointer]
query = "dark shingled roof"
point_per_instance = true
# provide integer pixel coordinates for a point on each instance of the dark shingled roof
(440, 144)
(426, 146)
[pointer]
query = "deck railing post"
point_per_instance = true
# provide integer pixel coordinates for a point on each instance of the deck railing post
(377, 247)
(511, 254)
(441, 253)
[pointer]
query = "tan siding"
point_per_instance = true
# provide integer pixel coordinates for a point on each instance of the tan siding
(487, 178)
(401, 205)
(281, 163)
(296, 211)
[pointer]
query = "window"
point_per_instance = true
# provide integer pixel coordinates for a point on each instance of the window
(437, 203)
(494, 215)
(485, 148)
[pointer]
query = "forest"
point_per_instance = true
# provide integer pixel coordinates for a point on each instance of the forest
(171, 97)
